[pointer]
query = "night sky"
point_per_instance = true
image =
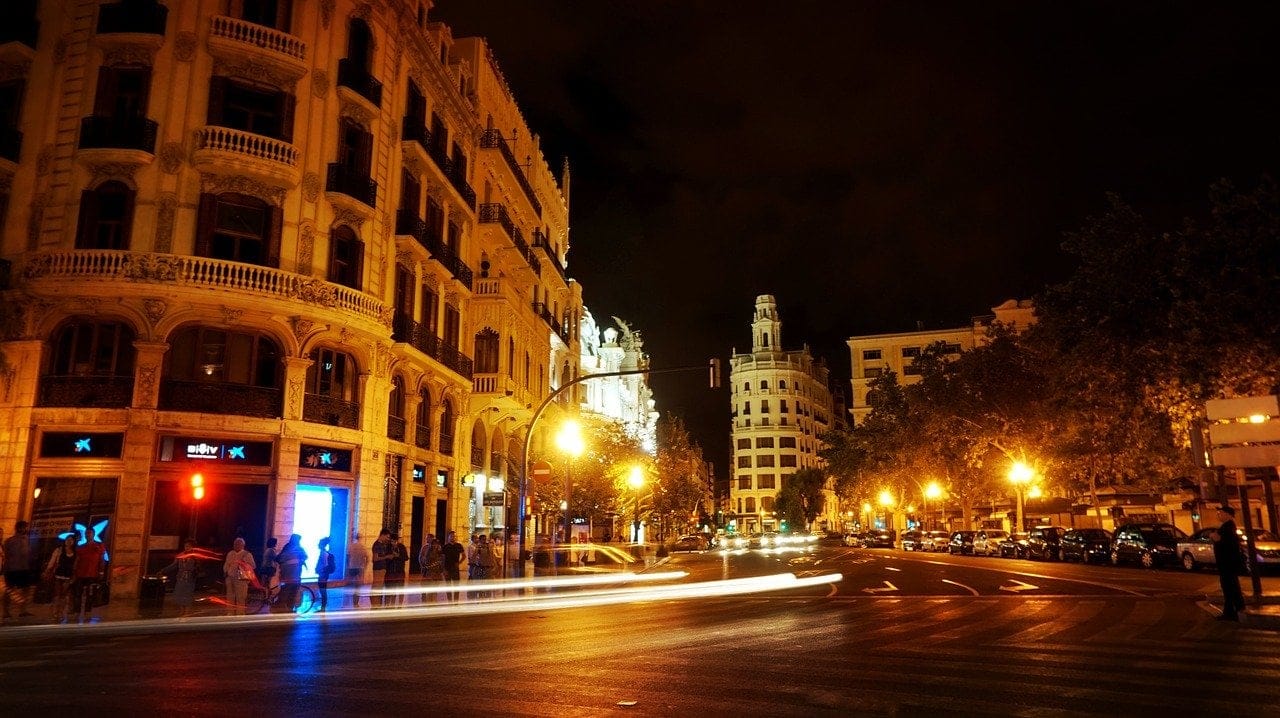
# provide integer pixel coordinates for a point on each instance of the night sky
(873, 165)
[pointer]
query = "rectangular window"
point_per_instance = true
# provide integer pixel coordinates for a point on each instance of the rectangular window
(744, 443)
(871, 354)
(911, 370)
(744, 482)
(744, 462)
(784, 406)
(764, 406)
(764, 442)
(430, 310)
(910, 352)
(766, 481)
(765, 460)
(452, 322)
(873, 371)
(788, 460)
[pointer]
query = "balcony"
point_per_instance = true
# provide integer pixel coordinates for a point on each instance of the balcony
(321, 409)
(237, 40)
(413, 129)
(422, 436)
(416, 335)
(451, 172)
(343, 180)
(493, 140)
(93, 392)
(409, 224)
(495, 213)
(359, 81)
(446, 442)
(134, 17)
(455, 360)
(221, 398)
(108, 268)
(10, 144)
(459, 270)
(540, 241)
(395, 428)
(223, 149)
(127, 140)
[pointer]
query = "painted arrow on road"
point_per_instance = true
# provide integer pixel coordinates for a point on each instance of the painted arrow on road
(1018, 586)
(888, 587)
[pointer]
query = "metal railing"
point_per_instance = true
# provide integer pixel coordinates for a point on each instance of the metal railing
(413, 129)
(541, 241)
(446, 442)
(396, 428)
(496, 213)
(99, 392)
(321, 409)
(118, 133)
(493, 139)
(251, 33)
(358, 79)
(422, 436)
(344, 180)
(206, 397)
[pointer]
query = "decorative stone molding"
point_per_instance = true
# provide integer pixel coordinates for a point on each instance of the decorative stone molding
(35, 220)
(295, 397)
(311, 186)
(302, 329)
(217, 184)
(88, 305)
(154, 309)
(388, 316)
(146, 386)
(382, 361)
(326, 13)
(355, 111)
(254, 72)
(171, 157)
(345, 335)
(346, 216)
(103, 171)
(306, 246)
(319, 84)
(364, 11)
(405, 258)
(230, 315)
(151, 268)
(128, 54)
(184, 46)
(14, 70)
(166, 210)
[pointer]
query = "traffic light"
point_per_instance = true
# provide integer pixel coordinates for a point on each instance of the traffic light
(197, 487)
(715, 373)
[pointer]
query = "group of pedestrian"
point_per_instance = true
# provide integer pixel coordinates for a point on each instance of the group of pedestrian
(75, 572)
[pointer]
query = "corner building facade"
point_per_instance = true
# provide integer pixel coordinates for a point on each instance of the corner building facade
(271, 243)
(781, 405)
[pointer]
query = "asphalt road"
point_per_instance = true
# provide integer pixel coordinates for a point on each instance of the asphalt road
(955, 635)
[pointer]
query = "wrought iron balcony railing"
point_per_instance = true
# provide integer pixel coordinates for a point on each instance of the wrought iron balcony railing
(352, 75)
(321, 409)
(357, 185)
(454, 359)
(118, 133)
(413, 129)
(422, 436)
(493, 139)
(145, 17)
(446, 442)
(96, 392)
(477, 457)
(439, 155)
(221, 398)
(395, 428)
(540, 241)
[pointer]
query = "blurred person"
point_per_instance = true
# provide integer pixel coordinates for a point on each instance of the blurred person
(268, 570)
(382, 550)
(1230, 561)
(19, 576)
(292, 559)
(472, 544)
(357, 560)
(184, 582)
(431, 562)
(396, 573)
(453, 554)
(238, 570)
(61, 571)
(326, 565)
(90, 571)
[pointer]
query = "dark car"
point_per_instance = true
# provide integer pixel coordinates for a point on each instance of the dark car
(1045, 543)
(884, 538)
(1146, 544)
(911, 540)
(1085, 545)
(832, 538)
(961, 542)
(1015, 546)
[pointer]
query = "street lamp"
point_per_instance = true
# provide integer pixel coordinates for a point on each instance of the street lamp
(886, 501)
(569, 441)
(1020, 474)
(636, 480)
(866, 514)
(932, 492)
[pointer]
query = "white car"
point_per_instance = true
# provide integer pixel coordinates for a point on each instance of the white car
(987, 542)
(1196, 550)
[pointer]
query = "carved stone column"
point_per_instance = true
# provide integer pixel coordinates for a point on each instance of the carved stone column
(411, 404)
(148, 368)
(295, 383)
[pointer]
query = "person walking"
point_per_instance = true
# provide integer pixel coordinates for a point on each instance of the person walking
(326, 565)
(90, 571)
(382, 550)
(61, 571)
(1230, 561)
(292, 559)
(238, 571)
(269, 570)
(19, 577)
(396, 574)
(357, 562)
(184, 583)
(431, 561)
(454, 554)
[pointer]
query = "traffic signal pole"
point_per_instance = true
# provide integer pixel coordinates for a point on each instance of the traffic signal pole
(521, 516)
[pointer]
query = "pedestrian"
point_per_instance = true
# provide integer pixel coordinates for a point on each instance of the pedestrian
(431, 562)
(238, 571)
(19, 576)
(61, 571)
(90, 571)
(382, 550)
(1230, 560)
(184, 582)
(357, 560)
(396, 573)
(472, 543)
(454, 554)
(326, 565)
(269, 568)
(485, 563)
(291, 559)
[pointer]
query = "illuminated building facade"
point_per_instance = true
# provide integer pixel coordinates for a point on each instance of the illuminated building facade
(624, 399)
(308, 249)
(781, 404)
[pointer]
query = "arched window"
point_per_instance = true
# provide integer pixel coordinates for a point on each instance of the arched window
(331, 389)
(395, 405)
(446, 428)
(106, 217)
(346, 257)
(85, 347)
(751, 504)
(239, 228)
(486, 352)
(422, 433)
(208, 354)
(479, 446)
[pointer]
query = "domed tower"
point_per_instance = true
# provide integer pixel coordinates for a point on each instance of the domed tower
(766, 329)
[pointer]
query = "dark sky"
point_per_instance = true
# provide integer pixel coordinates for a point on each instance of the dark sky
(873, 165)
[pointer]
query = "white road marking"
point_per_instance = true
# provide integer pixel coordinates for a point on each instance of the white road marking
(961, 585)
(891, 568)
(1018, 586)
(890, 587)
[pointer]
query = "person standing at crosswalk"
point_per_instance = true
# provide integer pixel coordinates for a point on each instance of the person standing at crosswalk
(1230, 560)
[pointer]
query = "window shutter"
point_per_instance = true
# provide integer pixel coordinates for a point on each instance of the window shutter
(217, 99)
(273, 236)
(88, 220)
(357, 266)
(287, 104)
(126, 226)
(206, 222)
(104, 99)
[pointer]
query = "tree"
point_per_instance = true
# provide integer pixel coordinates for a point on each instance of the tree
(681, 486)
(800, 498)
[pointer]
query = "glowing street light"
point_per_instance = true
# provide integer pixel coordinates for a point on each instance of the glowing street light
(932, 492)
(635, 478)
(570, 442)
(1020, 474)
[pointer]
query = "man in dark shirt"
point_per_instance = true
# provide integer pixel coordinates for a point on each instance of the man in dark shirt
(1228, 557)
(453, 553)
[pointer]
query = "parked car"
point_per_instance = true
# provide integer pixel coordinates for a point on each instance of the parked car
(1015, 546)
(1147, 544)
(987, 542)
(935, 541)
(732, 541)
(961, 542)
(884, 538)
(768, 539)
(1197, 550)
(911, 540)
(833, 538)
(1085, 545)
(1045, 543)
(692, 542)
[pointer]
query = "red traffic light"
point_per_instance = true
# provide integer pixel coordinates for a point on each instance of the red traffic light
(197, 486)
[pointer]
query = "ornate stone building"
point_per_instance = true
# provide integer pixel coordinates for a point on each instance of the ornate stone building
(627, 400)
(306, 248)
(781, 404)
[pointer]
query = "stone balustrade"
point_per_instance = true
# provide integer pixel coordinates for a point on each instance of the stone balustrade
(258, 35)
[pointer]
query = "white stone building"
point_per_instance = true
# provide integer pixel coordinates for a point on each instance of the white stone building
(625, 399)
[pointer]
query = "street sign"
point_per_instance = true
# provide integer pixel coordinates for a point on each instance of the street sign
(1242, 408)
(1249, 435)
(540, 471)
(1247, 456)
(493, 498)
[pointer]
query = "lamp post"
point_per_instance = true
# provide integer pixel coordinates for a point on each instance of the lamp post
(886, 501)
(636, 480)
(1019, 474)
(569, 441)
(931, 492)
(866, 514)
